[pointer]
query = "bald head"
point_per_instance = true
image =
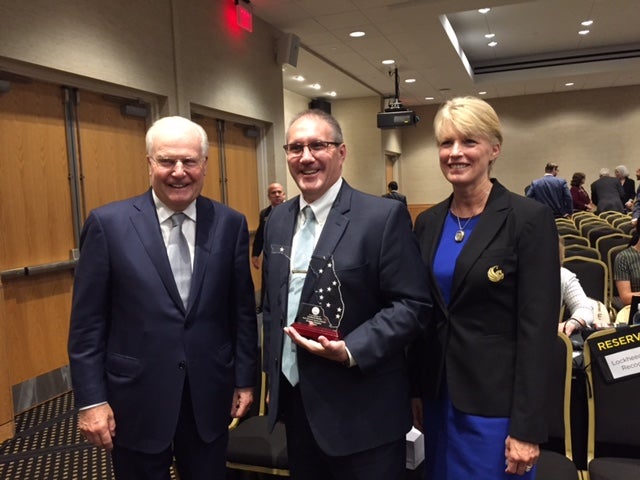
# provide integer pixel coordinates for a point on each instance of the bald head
(276, 194)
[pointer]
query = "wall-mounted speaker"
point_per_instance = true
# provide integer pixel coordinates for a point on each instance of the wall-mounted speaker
(320, 104)
(287, 49)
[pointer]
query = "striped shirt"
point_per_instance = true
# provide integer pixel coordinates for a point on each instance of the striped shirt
(627, 267)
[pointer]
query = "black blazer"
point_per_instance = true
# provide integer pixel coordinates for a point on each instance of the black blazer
(495, 337)
(258, 239)
(386, 302)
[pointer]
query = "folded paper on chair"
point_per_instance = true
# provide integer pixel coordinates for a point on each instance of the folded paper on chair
(415, 448)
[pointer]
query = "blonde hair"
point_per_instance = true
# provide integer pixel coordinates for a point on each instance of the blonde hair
(469, 116)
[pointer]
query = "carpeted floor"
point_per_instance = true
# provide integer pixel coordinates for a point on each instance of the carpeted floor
(48, 446)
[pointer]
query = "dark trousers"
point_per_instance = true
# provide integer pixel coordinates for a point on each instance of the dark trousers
(308, 462)
(195, 459)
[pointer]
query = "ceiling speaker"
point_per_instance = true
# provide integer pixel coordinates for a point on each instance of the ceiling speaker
(288, 46)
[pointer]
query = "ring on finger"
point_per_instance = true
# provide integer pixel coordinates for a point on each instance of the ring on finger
(528, 468)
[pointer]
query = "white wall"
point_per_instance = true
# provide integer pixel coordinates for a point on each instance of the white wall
(580, 131)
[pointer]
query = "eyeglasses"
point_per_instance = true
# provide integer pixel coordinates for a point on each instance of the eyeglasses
(317, 146)
(170, 163)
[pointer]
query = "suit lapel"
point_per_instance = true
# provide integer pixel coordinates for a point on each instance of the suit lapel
(430, 240)
(145, 221)
(205, 212)
(492, 219)
(281, 231)
(332, 232)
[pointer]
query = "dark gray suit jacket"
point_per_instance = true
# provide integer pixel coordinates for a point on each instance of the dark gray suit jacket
(608, 194)
(386, 305)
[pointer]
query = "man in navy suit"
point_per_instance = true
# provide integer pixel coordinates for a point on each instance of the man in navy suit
(552, 191)
(345, 401)
(156, 376)
(394, 193)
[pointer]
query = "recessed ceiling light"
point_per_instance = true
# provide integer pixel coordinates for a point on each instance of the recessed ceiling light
(484, 10)
(315, 86)
(489, 35)
(388, 62)
(298, 78)
(492, 44)
(357, 34)
(410, 80)
(583, 32)
(569, 84)
(482, 93)
(429, 98)
(587, 23)
(332, 94)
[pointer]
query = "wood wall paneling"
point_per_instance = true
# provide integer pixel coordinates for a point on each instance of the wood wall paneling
(212, 181)
(113, 152)
(35, 201)
(35, 211)
(37, 320)
(7, 426)
(35, 208)
(242, 172)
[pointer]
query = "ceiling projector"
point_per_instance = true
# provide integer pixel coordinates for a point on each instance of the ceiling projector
(395, 115)
(397, 118)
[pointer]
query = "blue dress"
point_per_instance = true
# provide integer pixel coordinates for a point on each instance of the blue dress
(458, 445)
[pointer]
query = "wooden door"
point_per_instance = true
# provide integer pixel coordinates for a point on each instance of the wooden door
(112, 152)
(241, 161)
(35, 214)
(212, 181)
(36, 209)
(232, 171)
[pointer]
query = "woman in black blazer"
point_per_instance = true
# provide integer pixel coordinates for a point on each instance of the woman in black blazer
(480, 372)
(628, 185)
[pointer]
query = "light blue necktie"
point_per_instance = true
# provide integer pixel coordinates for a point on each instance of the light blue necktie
(304, 245)
(179, 256)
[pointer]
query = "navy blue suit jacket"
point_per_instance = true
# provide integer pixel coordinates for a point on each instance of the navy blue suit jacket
(386, 304)
(132, 342)
(554, 192)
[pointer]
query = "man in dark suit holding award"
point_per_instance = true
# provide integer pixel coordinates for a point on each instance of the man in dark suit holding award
(163, 336)
(359, 297)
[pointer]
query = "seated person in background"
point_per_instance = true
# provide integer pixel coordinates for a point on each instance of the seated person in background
(626, 271)
(580, 197)
(575, 301)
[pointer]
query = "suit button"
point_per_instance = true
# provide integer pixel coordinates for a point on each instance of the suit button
(182, 365)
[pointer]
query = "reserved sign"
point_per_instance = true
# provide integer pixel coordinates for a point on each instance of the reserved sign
(618, 353)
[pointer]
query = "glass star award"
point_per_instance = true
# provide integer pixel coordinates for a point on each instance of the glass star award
(323, 314)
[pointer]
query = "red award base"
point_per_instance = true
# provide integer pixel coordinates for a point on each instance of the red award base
(314, 332)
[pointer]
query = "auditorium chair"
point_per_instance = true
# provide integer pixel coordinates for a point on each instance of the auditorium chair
(556, 460)
(251, 447)
(614, 423)
(575, 240)
(593, 276)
